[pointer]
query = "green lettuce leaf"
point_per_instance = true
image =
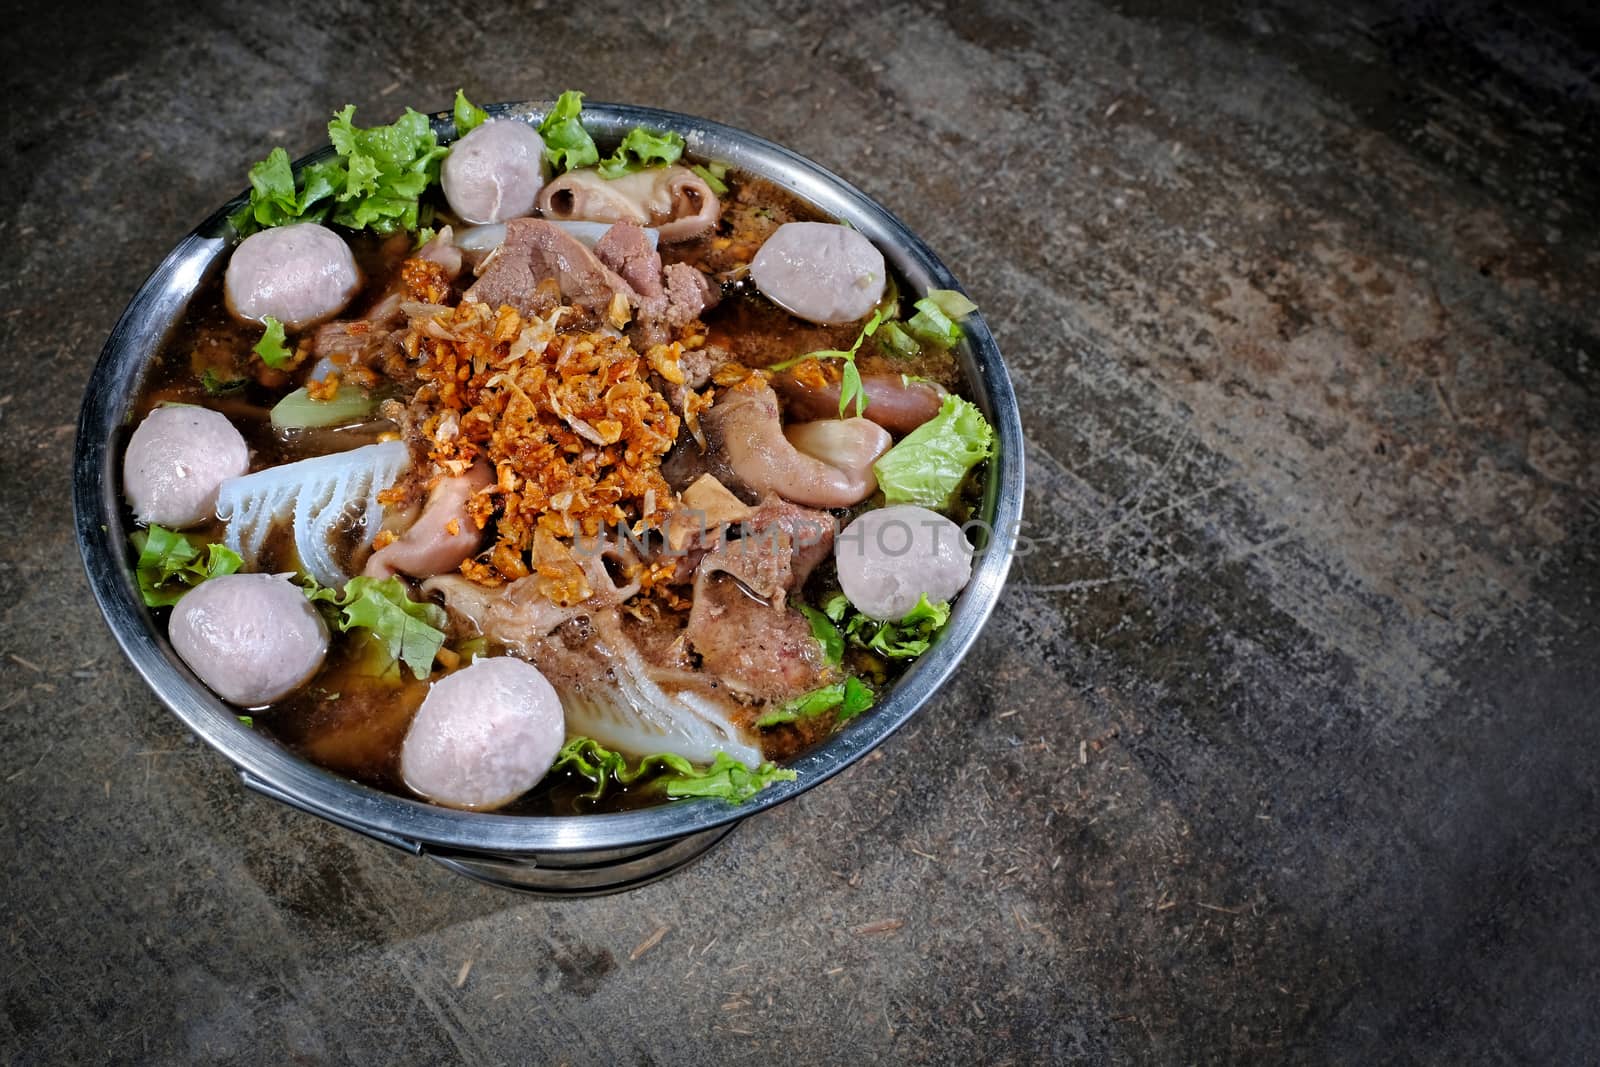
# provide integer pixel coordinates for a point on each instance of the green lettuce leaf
(906, 638)
(928, 464)
(826, 633)
(567, 145)
(320, 182)
(170, 564)
(640, 149)
(851, 697)
(388, 168)
(953, 302)
(271, 348)
(467, 115)
(274, 200)
(373, 183)
(835, 606)
(857, 699)
(806, 706)
(411, 633)
(726, 778)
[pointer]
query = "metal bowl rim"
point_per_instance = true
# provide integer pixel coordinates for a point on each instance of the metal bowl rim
(101, 532)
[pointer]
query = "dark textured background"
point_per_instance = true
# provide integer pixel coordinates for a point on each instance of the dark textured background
(1282, 741)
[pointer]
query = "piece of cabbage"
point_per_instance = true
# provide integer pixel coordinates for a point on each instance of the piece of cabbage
(631, 713)
(322, 497)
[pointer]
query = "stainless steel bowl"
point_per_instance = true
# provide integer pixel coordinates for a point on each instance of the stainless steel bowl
(552, 855)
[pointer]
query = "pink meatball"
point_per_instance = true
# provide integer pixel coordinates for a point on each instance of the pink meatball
(890, 558)
(820, 271)
(495, 172)
(299, 275)
(176, 459)
(484, 735)
(252, 638)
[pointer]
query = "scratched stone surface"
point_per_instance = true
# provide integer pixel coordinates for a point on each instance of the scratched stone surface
(1282, 742)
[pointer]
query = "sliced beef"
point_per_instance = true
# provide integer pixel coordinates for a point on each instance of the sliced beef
(688, 294)
(533, 251)
(774, 550)
(519, 614)
(347, 341)
(697, 365)
(762, 652)
(810, 535)
(669, 298)
(625, 248)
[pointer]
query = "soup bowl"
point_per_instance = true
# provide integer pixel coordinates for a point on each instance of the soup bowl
(553, 855)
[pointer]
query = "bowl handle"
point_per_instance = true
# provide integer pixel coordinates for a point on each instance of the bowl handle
(404, 844)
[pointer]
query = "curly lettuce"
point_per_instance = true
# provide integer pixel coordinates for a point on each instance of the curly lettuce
(567, 145)
(726, 778)
(409, 632)
(927, 466)
(904, 638)
(170, 564)
(851, 697)
(640, 149)
(467, 115)
(273, 348)
(375, 181)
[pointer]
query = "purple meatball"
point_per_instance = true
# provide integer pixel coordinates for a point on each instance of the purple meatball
(892, 557)
(253, 638)
(176, 459)
(299, 275)
(820, 271)
(495, 172)
(484, 735)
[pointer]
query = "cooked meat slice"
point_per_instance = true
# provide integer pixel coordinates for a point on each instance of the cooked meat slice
(626, 249)
(771, 553)
(763, 652)
(518, 614)
(669, 298)
(696, 365)
(688, 294)
(535, 250)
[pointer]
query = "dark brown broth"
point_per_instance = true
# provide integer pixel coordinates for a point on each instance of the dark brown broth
(352, 722)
